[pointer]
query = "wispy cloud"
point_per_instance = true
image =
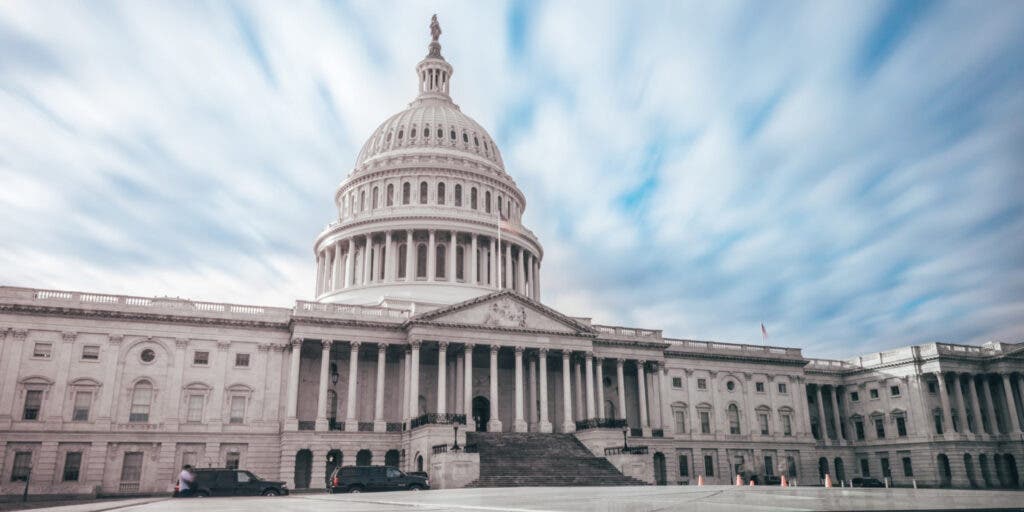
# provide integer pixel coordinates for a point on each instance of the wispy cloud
(850, 174)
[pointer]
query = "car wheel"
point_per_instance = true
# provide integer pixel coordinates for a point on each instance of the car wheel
(415, 488)
(357, 489)
(271, 492)
(201, 494)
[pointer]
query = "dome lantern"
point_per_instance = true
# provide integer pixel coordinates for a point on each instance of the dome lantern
(433, 71)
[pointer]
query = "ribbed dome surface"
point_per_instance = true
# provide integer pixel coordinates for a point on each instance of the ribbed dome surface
(430, 123)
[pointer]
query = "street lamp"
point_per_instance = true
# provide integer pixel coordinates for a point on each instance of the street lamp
(334, 374)
(625, 430)
(455, 444)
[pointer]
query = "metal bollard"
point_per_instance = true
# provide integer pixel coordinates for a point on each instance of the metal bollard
(914, 481)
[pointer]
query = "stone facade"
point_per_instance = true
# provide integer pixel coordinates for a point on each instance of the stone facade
(428, 315)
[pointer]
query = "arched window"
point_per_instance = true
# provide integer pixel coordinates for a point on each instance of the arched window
(458, 195)
(406, 192)
(142, 398)
(459, 263)
(733, 413)
(421, 260)
(391, 194)
(472, 198)
(440, 264)
(426, 132)
(440, 193)
(465, 137)
(376, 192)
(402, 258)
(440, 134)
(679, 417)
(452, 134)
(362, 201)
(412, 133)
(487, 201)
(501, 205)
(423, 192)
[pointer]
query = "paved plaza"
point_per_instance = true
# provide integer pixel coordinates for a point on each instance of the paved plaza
(632, 499)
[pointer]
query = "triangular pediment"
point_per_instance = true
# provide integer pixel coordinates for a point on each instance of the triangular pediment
(504, 310)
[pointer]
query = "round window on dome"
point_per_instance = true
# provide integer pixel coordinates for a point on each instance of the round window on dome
(440, 133)
(412, 133)
(476, 141)
(730, 385)
(400, 133)
(147, 355)
(426, 132)
(452, 134)
(465, 137)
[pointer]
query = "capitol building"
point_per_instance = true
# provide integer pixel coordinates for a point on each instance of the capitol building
(429, 330)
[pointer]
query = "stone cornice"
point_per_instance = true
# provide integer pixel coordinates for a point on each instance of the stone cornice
(726, 357)
(109, 314)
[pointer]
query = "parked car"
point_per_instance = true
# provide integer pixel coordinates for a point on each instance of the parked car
(232, 482)
(375, 478)
(767, 479)
(867, 482)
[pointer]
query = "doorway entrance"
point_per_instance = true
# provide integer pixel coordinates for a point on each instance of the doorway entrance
(481, 413)
(303, 468)
(659, 469)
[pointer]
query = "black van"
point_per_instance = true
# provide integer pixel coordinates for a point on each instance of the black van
(375, 478)
(232, 482)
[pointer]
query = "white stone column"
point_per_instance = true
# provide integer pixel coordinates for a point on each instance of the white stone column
(379, 425)
(976, 413)
(542, 363)
(451, 258)
(339, 268)
(350, 260)
(431, 256)
(520, 423)
(599, 366)
(822, 422)
(319, 273)
(494, 425)
(410, 257)
(442, 383)
(1011, 406)
(641, 381)
(414, 385)
(667, 425)
(536, 279)
(580, 405)
(529, 275)
(947, 414)
(351, 422)
(293, 384)
(457, 389)
(406, 382)
(993, 420)
(474, 267)
(507, 271)
(521, 274)
(325, 369)
(567, 423)
(467, 384)
(389, 258)
(961, 404)
(375, 274)
(836, 419)
(494, 281)
(531, 369)
(589, 358)
(621, 381)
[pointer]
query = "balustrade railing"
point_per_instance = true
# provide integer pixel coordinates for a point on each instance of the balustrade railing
(335, 425)
(439, 448)
(433, 418)
(395, 427)
(594, 423)
(365, 426)
(626, 450)
(658, 432)
(128, 487)
(636, 432)
(307, 425)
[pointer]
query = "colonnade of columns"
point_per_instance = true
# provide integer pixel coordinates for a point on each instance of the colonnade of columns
(385, 257)
(532, 414)
(986, 406)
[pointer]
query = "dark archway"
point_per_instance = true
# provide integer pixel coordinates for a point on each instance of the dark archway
(419, 463)
(1012, 478)
(303, 468)
(392, 458)
(997, 461)
(481, 413)
(840, 470)
(822, 468)
(364, 457)
(334, 460)
(969, 469)
(660, 477)
(986, 475)
(945, 472)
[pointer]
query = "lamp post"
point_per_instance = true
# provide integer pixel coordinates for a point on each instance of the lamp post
(455, 444)
(625, 430)
(28, 475)
(334, 374)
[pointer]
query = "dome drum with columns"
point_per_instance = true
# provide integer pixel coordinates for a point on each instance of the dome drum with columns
(428, 215)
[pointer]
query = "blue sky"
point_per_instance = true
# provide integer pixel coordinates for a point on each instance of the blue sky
(849, 173)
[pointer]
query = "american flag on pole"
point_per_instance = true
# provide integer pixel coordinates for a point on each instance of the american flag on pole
(764, 333)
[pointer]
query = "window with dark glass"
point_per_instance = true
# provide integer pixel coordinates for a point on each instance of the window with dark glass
(91, 353)
(705, 422)
(684, 466)
(938, 423)
(423, 192)
(933, 387)
(472, 198)
(131, 468)
(21, 467)
(33, 402)
(733, 413)
(874, 393)
(42, 350)
(440, 263)
(231, 462)
(854, 396)
(406, 193)
(908, 468)
(709, 465)
(242, 360)
(864, 467)
(460, 263)
(440, 193)
(487, 201)
(391, 194)
(886, 470)
(858, 426)
(702, 383)
(762, 420)
(83, 401)
(769, 465)
(402, 250)
(894, 391)
(787, 425)
(72, 466)
(142, 398)
(421, 260)
(759, 387)
(457, 200)
(677, 382)
(880, 428)
(201, 357)
(782, 388)
(376, 194)
(901, 426)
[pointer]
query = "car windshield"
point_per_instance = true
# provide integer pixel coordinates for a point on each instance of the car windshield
(252, 476)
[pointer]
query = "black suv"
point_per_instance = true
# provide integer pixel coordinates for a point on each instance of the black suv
(232, 482)
(375, 478)
(867, 482)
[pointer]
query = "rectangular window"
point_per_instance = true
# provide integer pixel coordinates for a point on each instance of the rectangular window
(864, 470)
(705, 422)
(195, 408)
(201, 358)
(188, 458)
(880, 428)
(131, 468)
(762, 420)
(933, 387)
(91, 353)
(769, 465)
(22, 466)
(787, 425)
(854, 396)
(886, 470)
(241, 360)
(680, 417)
(42, 350)
(231, 462)
(908, 469)
(759, 387)
(938, 423)
(874, 394)
(237, 409)
(677, 382)
(782, 388)
(859, 427)
(684, 466)
(901, 426)
(709, 465)
(702, 383)
(83, 401)
(894, 391)
(33, 402)
(72, 465)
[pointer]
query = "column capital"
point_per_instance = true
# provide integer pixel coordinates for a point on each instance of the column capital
(588, 355)
(296, 342)
(382, 347)
(543, 351)
(223, 345)
(69, 336)
(442, 345)
(355, 345)
(598, 359)
(415, 344)
(326, 344)
(566, 354)
(495, 348)
(263, 347)
(519, 350)
(619, 363)
(183, 342)
(468, 347)
(640, 363)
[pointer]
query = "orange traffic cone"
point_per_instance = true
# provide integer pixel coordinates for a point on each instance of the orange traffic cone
(828, 481)
(700, 480)
(783, 482)
(751, 482)
(739, 480)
